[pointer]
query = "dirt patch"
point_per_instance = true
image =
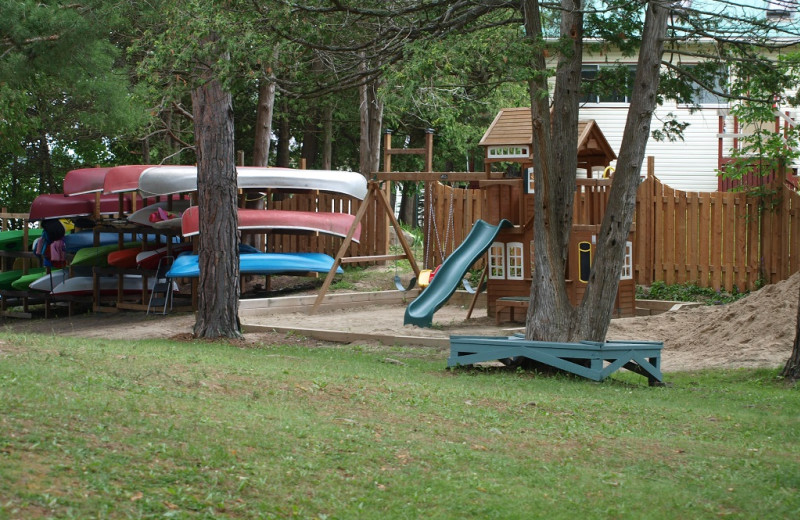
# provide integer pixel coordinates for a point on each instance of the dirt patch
(756, 331)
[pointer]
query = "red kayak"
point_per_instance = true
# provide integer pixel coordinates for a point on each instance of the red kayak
(124, 258)
(281, 220)
(149, 259)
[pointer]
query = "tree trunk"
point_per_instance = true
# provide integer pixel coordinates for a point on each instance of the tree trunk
(46, 180)
(327, 137)
(219, 289)
(792, 369)
(145, 151)
(371, 118)
(408, 207)
(597, 306)
(310, 151)
(168, 143)
(284, 138)
(263, 133)
(264, 111)
(550, 311)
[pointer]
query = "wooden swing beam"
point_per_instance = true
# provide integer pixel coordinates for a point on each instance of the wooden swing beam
(374, 192)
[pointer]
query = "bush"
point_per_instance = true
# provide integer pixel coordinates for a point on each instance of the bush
(687, 292)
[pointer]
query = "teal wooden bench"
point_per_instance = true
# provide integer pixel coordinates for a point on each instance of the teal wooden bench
(641, 357)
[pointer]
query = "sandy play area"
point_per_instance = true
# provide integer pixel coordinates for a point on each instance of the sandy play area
(756, 331)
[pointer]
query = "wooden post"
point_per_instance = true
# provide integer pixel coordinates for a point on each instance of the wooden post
(429, 149)
(387, 147)
(343, 248)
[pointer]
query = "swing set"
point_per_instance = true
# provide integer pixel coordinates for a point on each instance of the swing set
(426, 274)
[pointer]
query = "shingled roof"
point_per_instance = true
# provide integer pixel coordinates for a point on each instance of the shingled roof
(512, 126)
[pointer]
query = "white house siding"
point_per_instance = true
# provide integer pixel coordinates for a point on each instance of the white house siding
(688, 165)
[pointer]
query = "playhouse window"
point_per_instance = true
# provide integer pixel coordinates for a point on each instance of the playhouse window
(627, 262)
(497, 261)
(514, 259)
(509, 152)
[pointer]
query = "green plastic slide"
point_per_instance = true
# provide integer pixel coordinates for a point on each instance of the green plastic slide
(420, 311)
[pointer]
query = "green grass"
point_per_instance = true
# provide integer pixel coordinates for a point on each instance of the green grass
(155, 429)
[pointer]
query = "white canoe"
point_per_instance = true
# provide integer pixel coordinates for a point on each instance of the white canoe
(83, 285)
(167, 180)
(142, 216)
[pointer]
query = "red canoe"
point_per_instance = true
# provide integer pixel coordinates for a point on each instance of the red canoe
(61, 206)
(121, 179)
(280, 220)
(84, 180)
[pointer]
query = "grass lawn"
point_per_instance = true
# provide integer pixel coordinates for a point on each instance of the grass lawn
(163, 429)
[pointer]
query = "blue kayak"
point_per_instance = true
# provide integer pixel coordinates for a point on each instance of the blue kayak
(187, 266)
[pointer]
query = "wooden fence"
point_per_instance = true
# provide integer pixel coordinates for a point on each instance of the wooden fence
(374, 226)
(450, 212)
(717, 240)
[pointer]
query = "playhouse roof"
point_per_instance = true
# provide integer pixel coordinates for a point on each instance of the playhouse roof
(512, 126)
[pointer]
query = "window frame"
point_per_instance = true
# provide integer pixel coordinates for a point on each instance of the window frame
(497, 251)
(598, 101)
(515, 261)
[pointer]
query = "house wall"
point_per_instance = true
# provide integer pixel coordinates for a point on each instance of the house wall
(689, 164)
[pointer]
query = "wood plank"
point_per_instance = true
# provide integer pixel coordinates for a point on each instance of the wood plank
(680, 238)
(338, 336)
(669, 235)
(740, 238)
(704, 245)
(794, 224)
(715, 258)
(693, 237)
(753, 243)
(729, 233)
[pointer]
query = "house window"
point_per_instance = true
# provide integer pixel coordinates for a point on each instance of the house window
(627, 263)
(514, 257)
(781, 9)
(497, 261)
(607, 83)
(703, 96)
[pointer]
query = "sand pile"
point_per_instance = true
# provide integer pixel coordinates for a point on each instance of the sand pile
(756, 331)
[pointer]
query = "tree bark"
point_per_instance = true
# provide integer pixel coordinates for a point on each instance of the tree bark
(327, 137)
(551, 316)
(408, 207)
(598, 300)
(264, 111)
(371, 118)
(46, 180)
(792, 369)
(284, 137)
(219, 289)
(550, 311)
